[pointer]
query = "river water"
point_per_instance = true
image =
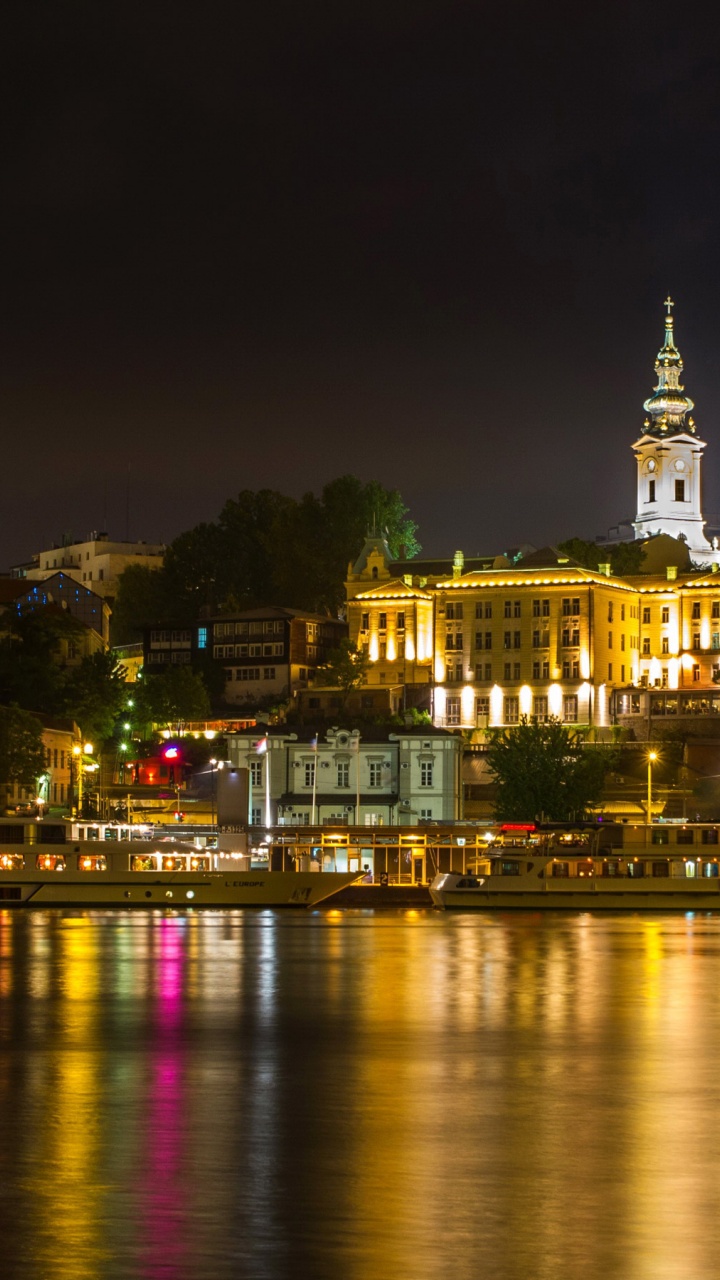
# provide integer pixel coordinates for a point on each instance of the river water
(347, 1095)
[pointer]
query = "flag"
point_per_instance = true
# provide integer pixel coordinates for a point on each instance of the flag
(314, 742)
(261, 746)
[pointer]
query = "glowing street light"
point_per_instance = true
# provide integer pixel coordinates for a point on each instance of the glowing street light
(652, 757)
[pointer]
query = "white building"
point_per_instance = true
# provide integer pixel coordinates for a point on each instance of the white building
(96, 561)
(381, 777)
(669, 459)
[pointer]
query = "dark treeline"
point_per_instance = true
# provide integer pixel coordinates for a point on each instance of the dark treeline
(265, 549)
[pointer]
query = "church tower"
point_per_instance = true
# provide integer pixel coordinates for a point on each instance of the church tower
(669, 458)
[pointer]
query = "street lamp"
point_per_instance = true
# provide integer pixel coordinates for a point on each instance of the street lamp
(652, 757)
(213, 766)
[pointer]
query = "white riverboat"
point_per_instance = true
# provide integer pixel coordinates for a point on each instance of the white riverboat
(556, 878)
(66, 872)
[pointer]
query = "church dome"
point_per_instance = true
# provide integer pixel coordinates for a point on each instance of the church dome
(668, 406)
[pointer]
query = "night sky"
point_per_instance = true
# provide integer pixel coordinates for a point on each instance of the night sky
(263, 245)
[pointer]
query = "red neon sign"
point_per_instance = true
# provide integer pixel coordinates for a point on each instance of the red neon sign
(518, 826)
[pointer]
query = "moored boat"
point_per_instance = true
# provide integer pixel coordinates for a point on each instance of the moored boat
(142, 874)
(555, 879)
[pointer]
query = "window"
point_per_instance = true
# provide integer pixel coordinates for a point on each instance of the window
(646, 644)
(685, 836)
(426, 773)
(665, 613)
(343, 773)
(488, 671)
(426, 815)
(536, 608)
(255, 817)
(716, 608)
(646, 615)
(679, 490)
(383, 649)
(482, 710)
(709, 836)
(516, 639)
(452, 711)
(507, 668)
(202, 638)
(269, 673)
(517, 609)
(570, 606)
(536, 670)
(488, 639)
(566, 669)
(536, 639)
(622, 612)
(546, 608)
(622, 641)
(454, 611)
(610, 675)
(512, 710)
(570, 708)
(516, 670)
(610, 611)
(696, 672)
(565, 638)
(540, 709)
(696, 610)
(256, 772)
(364, 621)
(478, 610)
(696, 640)
(488, 610)
(651, 491)
(309, 772)
(401, 622)
(575, 669)
(507, 640)
(247, 673)
(508, 608)
(376, 773)
(610, 644)
(382, 622)
(665, 644)
(715, 640)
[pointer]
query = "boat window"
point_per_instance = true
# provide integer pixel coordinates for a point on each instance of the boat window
(143, 862)
(92, 862)
(710, 869)
(173, 862)
(561, 869)
(467, 882)
(611, 867)
(690, 869)
(111, 833)
(11, 862)
(509, 868)
(710, 836)
(92, 833)
(199, 864)
(660, 835)
(636, 870)
(50, 862)
(585, 868)
(685, 835)
(661, 868)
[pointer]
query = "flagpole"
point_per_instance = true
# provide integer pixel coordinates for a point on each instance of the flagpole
(314, 793)
(357, 782)
(268, 809)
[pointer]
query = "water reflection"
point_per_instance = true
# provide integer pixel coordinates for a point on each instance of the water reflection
(340, 1093)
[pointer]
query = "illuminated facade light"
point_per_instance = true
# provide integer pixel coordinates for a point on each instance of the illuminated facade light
(555, 700)
(496, 705)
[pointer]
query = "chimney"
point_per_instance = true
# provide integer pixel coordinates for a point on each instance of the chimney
(671, 572)
(458, 564)
(604, 569)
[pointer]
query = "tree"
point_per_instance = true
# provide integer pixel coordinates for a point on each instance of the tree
(544, 771)
(94, 693)
(177, 695)
(143, 598)
(345, 669)
(623, 558)
(33, 654)
(22, 755)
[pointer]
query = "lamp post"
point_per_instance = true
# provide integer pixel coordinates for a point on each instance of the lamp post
(213, 767)
(652, 757)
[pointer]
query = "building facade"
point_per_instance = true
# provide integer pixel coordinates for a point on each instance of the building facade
(96, 561)
(378, 777)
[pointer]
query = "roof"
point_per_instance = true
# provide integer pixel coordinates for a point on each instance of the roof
(269, 611)
(395, 589)
(560, 575)
(305, 734)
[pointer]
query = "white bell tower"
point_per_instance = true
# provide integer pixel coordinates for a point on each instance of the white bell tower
(669, 457)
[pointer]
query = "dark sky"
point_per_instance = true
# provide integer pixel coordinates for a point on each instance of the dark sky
(425, 242)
